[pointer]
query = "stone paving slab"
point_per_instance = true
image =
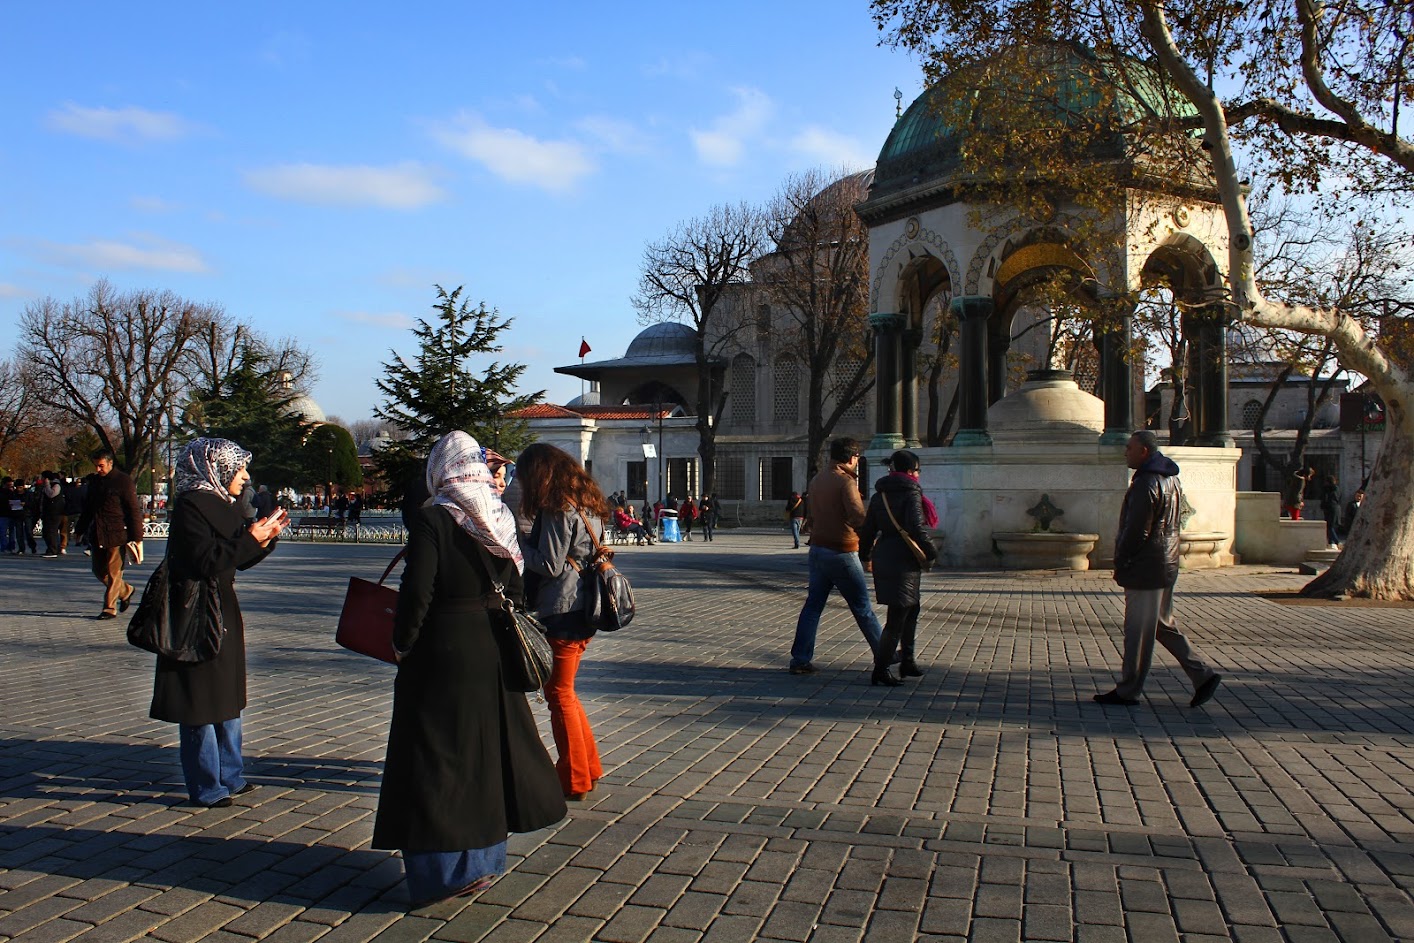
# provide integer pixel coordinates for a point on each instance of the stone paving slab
(989, 800)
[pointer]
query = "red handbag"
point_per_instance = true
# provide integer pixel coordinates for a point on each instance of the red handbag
(366, 623)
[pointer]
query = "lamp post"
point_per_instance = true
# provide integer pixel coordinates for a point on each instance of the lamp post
(329, 484)
(662, 486)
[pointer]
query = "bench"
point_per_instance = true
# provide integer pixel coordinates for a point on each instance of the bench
(317, 524)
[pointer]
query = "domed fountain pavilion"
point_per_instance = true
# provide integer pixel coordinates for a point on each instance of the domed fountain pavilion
(1045, 459)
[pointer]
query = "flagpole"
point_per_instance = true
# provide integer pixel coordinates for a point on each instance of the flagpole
(582, 345)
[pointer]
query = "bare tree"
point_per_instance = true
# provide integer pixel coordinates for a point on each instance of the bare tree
(1320, 88)
(111, 359)
(21, 411)
(818, 272)
(684, 277)
(221, 346)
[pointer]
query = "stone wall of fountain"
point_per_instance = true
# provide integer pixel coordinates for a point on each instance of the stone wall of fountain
(1046, 444)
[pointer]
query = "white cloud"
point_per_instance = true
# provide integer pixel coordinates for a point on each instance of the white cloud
(613, 134)
(12, 291)
(153, 204)
(685, 66)
(284, 48)
(516, 156)
(405, 186)
(830, 148)
(568, 63)
(391, 319)
(142, 253)
(118, 124)
(724, 143)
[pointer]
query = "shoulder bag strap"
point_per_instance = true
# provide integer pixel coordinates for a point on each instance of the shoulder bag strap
(890, 512)
(598, 547)
(401, 553)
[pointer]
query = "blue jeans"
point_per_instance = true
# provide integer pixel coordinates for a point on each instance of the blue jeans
(843, 571)
(211, 760)
(795, 523)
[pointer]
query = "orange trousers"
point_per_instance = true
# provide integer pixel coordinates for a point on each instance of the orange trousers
(578, 763)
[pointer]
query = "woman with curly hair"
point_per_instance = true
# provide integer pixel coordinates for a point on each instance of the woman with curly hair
(563, 503)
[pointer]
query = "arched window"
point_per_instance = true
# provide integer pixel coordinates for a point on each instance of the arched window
(743, 390)
(1251, 413)
(786, 393)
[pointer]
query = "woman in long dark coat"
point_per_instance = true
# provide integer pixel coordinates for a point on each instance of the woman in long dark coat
(208, 539)
(897, 572)
(465, 764)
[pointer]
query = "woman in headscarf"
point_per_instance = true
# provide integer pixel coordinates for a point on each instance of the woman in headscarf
(208, 539)
(562, 501)
(898, 507)
(465, 764)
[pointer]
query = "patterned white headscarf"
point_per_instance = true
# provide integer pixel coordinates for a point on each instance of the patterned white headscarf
(459, 481)
(209, 465)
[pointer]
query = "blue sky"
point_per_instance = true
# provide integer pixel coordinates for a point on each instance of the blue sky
(315, 168)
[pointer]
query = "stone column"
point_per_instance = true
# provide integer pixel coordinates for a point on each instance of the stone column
(1206, 329)
(908, 381)
(1117, 381)
(888, 398)
(973, 312)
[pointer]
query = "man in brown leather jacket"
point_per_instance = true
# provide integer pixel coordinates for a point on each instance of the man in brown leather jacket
(1146, 565)
(112, 520)
(836, 511)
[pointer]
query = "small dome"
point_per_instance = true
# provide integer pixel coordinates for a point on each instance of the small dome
(1049, 409)
(659, 341)
(304, 405)
(590, 398)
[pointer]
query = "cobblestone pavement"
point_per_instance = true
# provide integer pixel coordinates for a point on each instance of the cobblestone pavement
(991, 800)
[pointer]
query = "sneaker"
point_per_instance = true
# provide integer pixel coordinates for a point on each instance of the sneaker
(805, 669)
(51, 556)
(1113, 697)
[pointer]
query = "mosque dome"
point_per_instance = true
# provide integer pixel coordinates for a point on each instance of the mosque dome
(927, 140)
(307, 407)
(590, 398)
(668, 340)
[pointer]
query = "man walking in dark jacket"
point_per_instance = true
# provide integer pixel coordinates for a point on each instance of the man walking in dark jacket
(112, 519)
(1146, 565)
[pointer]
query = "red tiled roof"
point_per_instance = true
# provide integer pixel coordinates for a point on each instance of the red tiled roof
(544, 411)
(621, 412)
(551, 411)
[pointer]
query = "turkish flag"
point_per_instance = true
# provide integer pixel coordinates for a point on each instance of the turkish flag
(583, 347)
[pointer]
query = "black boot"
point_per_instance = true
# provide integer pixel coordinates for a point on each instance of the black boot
(885, 677)
(909, 669)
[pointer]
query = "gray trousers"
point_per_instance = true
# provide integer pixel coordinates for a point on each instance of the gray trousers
(1148, 615)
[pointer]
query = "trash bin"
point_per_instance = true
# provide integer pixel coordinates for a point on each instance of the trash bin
(671, 534)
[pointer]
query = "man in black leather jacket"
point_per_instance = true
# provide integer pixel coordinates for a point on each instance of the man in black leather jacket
(1146, 565)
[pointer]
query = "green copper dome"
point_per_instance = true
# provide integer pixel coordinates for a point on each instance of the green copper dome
(1068, 87)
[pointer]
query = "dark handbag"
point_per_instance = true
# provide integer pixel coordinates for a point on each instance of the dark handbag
(526, 656)
(366, 622)
(180, 619)
(608, 597)
(925, 560)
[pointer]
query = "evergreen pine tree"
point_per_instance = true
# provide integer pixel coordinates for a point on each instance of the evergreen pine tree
(438, 392)
(251, 406)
